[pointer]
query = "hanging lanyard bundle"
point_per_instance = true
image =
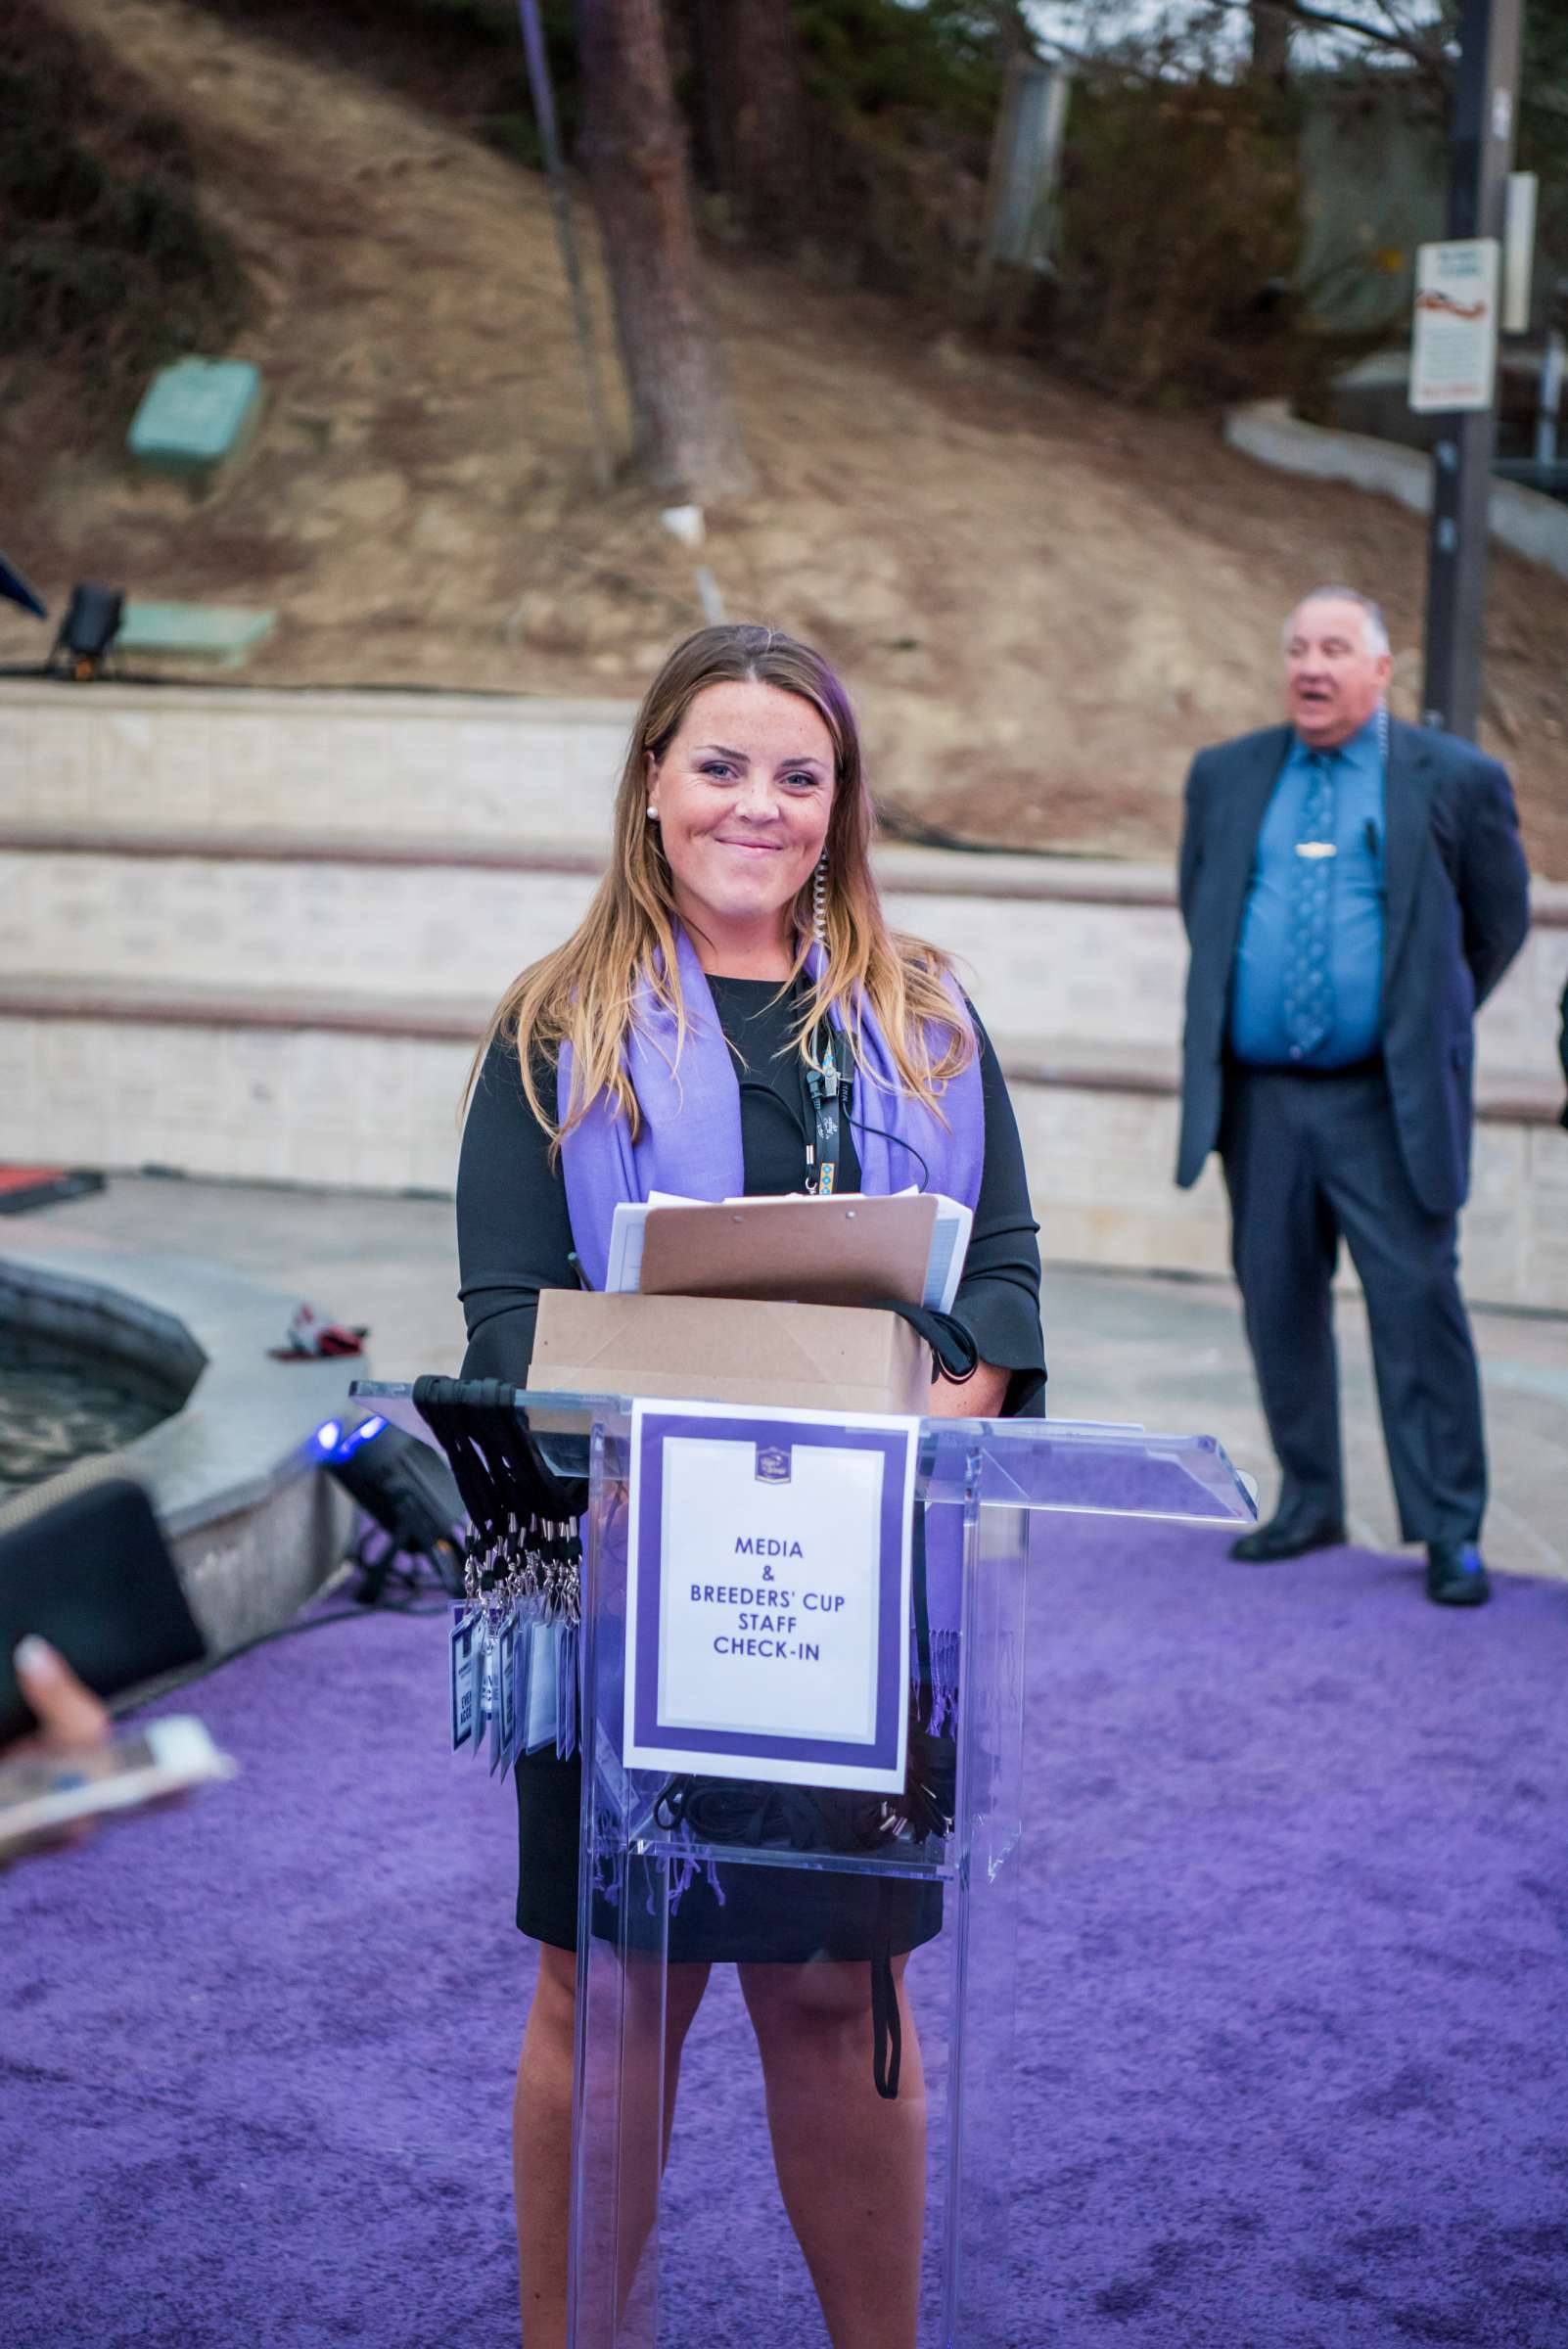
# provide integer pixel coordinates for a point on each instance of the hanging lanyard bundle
(514, 1641)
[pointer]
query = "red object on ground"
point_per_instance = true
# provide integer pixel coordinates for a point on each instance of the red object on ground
(310, 1335)
(21, 1188)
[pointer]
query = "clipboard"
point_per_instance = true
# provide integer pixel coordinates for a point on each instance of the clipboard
(843, 1249)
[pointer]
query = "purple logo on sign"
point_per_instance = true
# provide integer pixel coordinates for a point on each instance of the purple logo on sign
(772, 1463)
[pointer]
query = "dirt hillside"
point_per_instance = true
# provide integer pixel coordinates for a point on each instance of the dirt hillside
(1043, 603)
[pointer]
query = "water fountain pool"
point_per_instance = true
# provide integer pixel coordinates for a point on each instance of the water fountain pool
(169, 1361)
(57, 1404)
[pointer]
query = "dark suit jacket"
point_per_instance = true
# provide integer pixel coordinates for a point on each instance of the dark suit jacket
(1455, 914)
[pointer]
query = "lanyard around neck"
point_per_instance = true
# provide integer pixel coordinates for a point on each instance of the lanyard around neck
(828, 1086)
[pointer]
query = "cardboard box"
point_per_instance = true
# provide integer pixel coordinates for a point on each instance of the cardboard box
(829, 1358)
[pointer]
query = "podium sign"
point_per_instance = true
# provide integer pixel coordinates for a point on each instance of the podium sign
(768, 1594)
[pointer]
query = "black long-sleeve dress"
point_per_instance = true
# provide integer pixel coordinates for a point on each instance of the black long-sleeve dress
(515, 1238)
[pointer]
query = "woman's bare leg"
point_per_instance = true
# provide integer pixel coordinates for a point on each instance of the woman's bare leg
(541, 2148)
(541, 2130)
(851, 2165)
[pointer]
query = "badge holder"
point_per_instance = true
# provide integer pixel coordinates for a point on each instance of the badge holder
(513, 1635)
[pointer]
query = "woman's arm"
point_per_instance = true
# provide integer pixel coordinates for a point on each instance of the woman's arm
(999, 1296)
(514, 1235)
(980, 1397)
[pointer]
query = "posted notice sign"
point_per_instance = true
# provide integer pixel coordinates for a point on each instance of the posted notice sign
(768, 1594)
(1453, 349)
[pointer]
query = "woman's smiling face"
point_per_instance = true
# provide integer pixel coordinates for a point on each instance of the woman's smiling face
(742, 797)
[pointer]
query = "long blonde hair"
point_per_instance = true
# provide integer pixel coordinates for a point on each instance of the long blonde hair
(586, 992)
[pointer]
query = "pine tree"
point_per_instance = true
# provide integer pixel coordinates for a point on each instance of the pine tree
(687, 440)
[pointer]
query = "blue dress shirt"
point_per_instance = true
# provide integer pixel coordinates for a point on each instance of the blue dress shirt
(1356, 923)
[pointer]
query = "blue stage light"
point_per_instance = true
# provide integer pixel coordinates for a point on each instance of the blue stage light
(406, 1489)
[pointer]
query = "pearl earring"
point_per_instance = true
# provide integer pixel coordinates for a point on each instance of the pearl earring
(819, 902)
(653, 812)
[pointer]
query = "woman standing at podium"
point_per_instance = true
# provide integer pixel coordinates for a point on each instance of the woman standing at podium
(737, 940)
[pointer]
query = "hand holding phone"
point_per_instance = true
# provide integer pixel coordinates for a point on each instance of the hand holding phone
(49, 1792)
(83, 1560)
(69, 1715)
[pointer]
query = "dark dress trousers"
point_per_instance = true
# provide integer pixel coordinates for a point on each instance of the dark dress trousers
(1379, 1153)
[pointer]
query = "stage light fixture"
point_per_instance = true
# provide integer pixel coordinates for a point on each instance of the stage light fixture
(89, 628)
(406, 1489)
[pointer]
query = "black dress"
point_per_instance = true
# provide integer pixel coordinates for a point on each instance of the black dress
(515, 1238)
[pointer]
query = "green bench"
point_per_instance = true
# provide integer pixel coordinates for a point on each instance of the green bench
(223, 633)
(196, 417)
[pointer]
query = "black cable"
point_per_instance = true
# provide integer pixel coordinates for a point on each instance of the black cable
(856, 1124)
(771, 1092)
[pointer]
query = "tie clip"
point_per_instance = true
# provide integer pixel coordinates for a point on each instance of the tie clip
(1315, 848)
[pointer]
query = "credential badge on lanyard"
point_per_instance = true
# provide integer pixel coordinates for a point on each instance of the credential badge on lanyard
(826, 1082)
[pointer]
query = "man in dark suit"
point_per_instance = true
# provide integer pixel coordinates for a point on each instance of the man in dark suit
(1352, 888)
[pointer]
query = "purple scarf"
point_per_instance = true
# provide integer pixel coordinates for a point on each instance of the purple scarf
(690, 1143)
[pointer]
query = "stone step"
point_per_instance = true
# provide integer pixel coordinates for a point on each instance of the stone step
(1054, 946)
(364, 1090)
(919, 870)
(243, 760)
(1075, 1063)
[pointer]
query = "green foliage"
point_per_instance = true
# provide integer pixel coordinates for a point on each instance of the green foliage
(108, 264)
(901, 106)
(1181, 228)
(942, 62)
(1544, 126)
(510, 126)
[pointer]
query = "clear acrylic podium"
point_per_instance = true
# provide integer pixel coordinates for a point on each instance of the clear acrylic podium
(683, 2238)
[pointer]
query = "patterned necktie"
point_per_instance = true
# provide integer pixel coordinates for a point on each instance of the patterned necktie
(1309, 982)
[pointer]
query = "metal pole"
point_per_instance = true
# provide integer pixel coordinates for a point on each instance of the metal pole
(1549, 399)
(542, 92)
(1481, 159)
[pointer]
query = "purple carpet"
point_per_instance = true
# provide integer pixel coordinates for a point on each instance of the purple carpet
(1293, 2021)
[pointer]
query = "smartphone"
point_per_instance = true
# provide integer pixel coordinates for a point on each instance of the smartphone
(41, 1794)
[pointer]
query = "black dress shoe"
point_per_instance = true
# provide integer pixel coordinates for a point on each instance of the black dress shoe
(1281, 1537)
(1456, 1575)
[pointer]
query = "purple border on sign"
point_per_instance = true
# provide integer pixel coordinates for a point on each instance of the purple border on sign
(893, 1633)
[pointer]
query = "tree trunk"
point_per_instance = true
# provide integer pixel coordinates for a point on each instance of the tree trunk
(686, 439)
(1270, 41)
(754, 114)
